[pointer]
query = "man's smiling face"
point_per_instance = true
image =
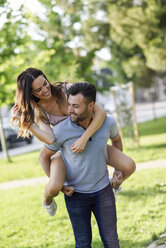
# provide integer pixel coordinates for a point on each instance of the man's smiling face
(78, 108)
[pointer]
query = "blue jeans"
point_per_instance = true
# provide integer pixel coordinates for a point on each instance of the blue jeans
(102, 204)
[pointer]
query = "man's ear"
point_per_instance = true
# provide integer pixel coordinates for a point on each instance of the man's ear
(91, 105)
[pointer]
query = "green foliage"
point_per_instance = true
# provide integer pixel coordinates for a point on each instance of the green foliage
(63, 62)
(65, 41)
(137, 32)
(12, 38)
(26, 224)
(134, 33)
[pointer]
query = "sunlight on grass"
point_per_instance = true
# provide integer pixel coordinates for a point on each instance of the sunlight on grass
(22, 166)
(152, 147)
(153, 140)
(140, 208)
(152, 136)
(153, 127)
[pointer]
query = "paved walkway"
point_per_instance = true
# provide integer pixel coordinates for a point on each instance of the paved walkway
(42, 180)
(162, 245)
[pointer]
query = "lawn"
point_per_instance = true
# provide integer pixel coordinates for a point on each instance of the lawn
(22, 167)
(140, 208)
(152, 137)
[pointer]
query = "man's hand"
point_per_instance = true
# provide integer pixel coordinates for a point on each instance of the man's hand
(68, 190)
(117, 179)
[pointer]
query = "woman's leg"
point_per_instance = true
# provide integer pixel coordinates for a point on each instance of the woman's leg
(120, 161)
(56, 179)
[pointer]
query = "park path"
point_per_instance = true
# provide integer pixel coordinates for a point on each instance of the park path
(42, 180)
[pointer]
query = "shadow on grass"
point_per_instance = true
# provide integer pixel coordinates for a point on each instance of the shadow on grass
(130, 244)
(95, 244)
(147, 147)
(152, 127)
(45, 245)
(123, 244)
(145, 191)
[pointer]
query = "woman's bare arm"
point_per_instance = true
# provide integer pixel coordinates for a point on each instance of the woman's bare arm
(43, 132)
(96, 123)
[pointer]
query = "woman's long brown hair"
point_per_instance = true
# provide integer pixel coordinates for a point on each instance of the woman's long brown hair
(27, 102)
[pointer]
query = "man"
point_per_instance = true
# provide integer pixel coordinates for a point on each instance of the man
(87, 171)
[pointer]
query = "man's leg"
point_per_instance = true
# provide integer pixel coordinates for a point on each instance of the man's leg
(79, 209)
(105, 214)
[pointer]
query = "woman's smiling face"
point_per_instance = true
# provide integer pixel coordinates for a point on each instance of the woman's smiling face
(41, 88)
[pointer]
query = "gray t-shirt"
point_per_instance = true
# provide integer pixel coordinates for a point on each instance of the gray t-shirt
(86, 171)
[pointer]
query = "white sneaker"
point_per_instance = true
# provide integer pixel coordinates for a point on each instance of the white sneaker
(115, 191)
(51, 209)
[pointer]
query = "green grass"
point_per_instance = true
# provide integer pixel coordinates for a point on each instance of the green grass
(161, 241)
(140, 209)
(152, 147)
(22, 166)
(152, 127)
(141, 205)
(152, 141)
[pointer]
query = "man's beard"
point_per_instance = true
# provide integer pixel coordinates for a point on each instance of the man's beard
(81, 117)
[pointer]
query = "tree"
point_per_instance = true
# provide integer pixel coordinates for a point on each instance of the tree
(137, 35)
(133, 30)
(66, 56)
(12, 38)
(72, 31)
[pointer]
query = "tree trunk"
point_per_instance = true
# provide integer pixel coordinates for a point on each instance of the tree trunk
(3, 140)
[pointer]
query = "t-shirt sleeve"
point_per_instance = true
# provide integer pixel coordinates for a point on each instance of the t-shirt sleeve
(113, 127)
(54, 147)
(57, 134)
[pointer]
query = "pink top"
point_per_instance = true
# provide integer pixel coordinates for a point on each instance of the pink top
(53, 119)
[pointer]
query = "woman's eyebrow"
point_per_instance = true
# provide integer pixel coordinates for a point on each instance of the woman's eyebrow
(40, 87)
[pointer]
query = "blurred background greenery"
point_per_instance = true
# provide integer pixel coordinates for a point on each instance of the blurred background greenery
(67, 39)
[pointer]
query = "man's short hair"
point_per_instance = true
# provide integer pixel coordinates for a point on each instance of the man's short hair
(86, 89)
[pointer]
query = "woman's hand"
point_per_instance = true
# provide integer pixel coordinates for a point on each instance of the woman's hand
(78, 145)
(16, 112)
(67, 85)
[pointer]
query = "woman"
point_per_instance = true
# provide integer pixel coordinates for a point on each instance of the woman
(38, 105)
